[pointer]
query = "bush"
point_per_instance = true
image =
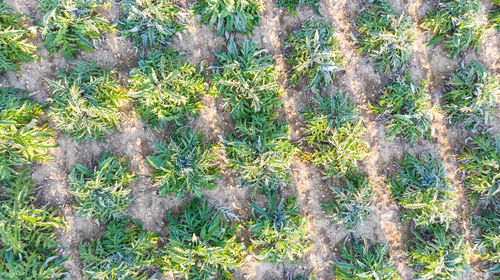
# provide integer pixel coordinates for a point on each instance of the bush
(70, 25)
(85, 102)
(408, 108)
(150, 22)
(166, 88)
(14, 45)
(200, 245)
(279, 232)
(315, 52)
(103, 193)
(184, 165)
(240, 16)
(125, 251)
(423, 191)
(24, 139)
(292, 5)
(385, 36)
(487, 243)
(470, 96)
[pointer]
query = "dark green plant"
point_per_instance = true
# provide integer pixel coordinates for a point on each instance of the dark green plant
(488, 241)
(240, 16)
(102, 194)
(165, 87)
(184, 164)
(470, 96)
(279, 231)
(385, 36)
(314, 53)
(292, 5)
(70, 25)
(14, 40)
(201, 245)
(423, 191)
(360, 260)
(408, 108)
(85, 102)
(125, 251)
(150, 22)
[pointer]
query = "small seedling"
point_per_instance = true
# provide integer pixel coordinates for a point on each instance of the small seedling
(292, 5)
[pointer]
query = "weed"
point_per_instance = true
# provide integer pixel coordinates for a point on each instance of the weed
(292, 5)
(495, 18)
(489, 238)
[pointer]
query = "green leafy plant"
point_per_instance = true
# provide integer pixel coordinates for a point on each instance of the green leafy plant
(407, 106)
(385, 36)
(70, 25)
(125, 251)
(240, 16)
(279, 231)
(495, 18)
(201, 245)
(360, 260)
(85, 102)
(292, 5)
(352, 203)
(470, 96)
(184, 165)
(150, 22)
(488, 241)
(423, 191)
(102, 193)
(166, 88)
(438, 255)
(23, 136)
(334, 131)
(14, 40)
(315, 53)
(458, 23)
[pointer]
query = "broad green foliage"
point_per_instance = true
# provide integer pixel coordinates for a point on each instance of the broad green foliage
(424, 192)
(279, 231)
(201, 245)
(408, 108)
(470, 96)
(314, 53)
(166, 88)
(334, 131)
(438, 255)
(125, 251)
(292, 5)
(184, 164)
(14, 40)
(385, 36)
(150, 22)
(458, 23)
(102, 194)
(360, 260)
(488, 241)
(71, 25)
(85, 102)
(23, 136)
(352, 203)
(27, 234)
(240, 16)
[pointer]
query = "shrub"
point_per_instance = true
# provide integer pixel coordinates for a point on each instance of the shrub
(334, 131)
(70, 25)
(201, 245)
(292, 5)
(184, 165)
(24, 139)
(385, 36)
(315, 52)
(103, 193)
(14, 37)
(166, 88)
(240, 16)
(125, 251)
(458, 23)
(470, 96)
(85, 102)
(150, 22)
(408, 109)
(488, 241)
(279, 232)
(360, 260)
(352, 203)
(423, 190)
